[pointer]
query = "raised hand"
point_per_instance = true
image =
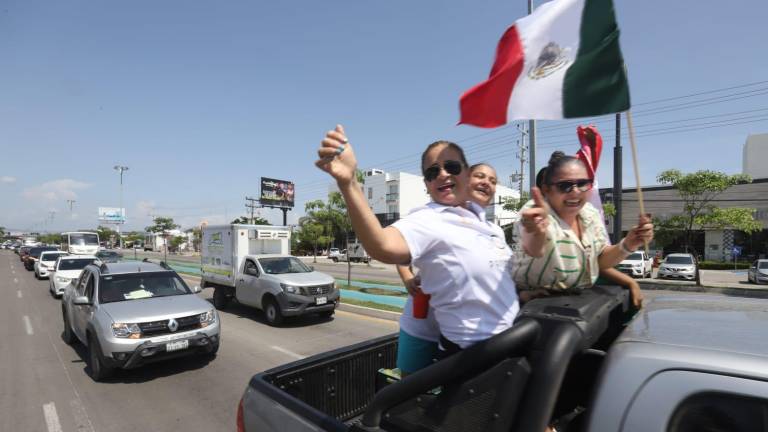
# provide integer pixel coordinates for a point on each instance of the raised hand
(536, 219)
(336, 156)
(639, 234)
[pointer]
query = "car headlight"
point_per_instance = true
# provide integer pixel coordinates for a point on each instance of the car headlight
(290, 289)
(62, 279)
(207, 318)
(123, 330)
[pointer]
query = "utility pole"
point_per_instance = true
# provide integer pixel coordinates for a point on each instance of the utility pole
(70, 202)
(521, 154)
(531, 134)
(617, 182)
(121, 169)
(252, 206)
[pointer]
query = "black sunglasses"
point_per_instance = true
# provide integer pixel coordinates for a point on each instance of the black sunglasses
(452, 167)
(566, 186)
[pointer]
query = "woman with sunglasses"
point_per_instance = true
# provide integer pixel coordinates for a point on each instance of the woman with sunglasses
(419, 336)
(463, 261)
(564, 244)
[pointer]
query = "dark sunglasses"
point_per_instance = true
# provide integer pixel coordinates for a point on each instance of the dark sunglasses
(566, 186)
(452, 167)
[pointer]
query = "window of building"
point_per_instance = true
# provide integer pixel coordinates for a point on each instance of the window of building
(720, 412)
(370, 193)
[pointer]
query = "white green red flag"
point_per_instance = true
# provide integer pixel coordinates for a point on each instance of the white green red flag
(562, 61)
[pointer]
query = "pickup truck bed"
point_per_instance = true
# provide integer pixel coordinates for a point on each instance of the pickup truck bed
(557, 343)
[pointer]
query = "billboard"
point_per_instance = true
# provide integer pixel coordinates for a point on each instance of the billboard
(113, 215)
(277, 193)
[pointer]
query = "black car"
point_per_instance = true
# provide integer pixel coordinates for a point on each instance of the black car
(34, 254)
(108, 256)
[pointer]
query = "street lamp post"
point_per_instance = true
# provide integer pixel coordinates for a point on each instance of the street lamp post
(121, 169)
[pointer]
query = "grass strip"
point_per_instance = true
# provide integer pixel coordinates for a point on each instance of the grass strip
(371, 305)
(374, 291)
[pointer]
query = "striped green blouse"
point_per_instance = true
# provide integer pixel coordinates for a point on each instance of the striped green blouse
(568, 262)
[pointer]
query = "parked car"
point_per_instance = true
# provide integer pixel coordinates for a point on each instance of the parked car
(132, 313)
(23, 251)
(34, 254)
(758, 272)
(637, 264)
(678, 266)
(67, 269)
(109, 256)
(47, 263)
(334, 254)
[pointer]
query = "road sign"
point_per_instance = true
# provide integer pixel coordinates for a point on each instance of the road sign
(737, 250)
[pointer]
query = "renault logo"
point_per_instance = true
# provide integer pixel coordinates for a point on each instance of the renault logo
(173, 325)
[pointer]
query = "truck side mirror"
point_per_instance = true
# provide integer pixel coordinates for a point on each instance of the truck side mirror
(81, 301)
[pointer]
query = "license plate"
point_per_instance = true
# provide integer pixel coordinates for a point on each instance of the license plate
(321, 300)
(177, 345)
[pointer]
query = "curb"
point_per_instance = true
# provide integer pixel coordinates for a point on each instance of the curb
(371, 312)
(731, 291)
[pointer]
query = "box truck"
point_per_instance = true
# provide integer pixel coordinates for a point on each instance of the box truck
(251, 264)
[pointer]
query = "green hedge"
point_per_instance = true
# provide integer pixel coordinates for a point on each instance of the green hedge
(716, 265)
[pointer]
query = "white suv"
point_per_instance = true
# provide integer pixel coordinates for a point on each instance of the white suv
(637, 264)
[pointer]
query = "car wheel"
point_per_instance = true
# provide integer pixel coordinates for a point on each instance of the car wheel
(99, 370)
(37, 275)
(220, 298)
(273, 313)
(335, 260)
(67, 335)
(212, 350)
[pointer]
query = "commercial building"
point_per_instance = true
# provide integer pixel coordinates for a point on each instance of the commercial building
(716, 245)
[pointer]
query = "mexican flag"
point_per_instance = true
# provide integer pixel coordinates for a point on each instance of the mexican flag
(562, 61)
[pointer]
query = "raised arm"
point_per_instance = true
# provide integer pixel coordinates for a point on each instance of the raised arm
(338, 159)
(535, 221)
(635, 239)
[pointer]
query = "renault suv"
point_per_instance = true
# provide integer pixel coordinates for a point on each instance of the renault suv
(128, 314)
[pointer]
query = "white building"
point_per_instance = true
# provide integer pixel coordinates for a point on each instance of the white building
(157, 241)
(755, 156)
(393, 195)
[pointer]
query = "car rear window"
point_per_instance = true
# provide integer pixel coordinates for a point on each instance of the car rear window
(74, 263)
(763, 265)
(51, 256)
(35, 252)
(134, 286)
(635, 257)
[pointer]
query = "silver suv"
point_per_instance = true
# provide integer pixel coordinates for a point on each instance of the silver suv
(131, 313)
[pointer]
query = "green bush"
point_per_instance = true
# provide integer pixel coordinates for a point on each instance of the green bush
(716, 265)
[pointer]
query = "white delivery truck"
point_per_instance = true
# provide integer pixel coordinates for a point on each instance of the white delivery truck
(355, 253)
(252, 265)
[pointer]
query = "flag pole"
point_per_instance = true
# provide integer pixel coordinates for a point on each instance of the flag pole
(531, 136)
(633, 145)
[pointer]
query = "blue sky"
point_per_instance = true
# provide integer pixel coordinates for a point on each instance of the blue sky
(201, 99)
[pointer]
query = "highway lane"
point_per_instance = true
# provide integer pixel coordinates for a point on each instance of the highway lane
(46, 386)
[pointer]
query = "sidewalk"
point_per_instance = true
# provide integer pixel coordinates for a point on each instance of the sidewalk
(727, 282)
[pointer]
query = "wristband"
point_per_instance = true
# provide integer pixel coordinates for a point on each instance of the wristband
(624, 247)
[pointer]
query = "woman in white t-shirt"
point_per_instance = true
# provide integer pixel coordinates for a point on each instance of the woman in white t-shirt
(463, 261)
(419, 337)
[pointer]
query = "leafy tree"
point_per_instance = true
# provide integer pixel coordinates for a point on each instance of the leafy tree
(311, 233)
(197, 237)
(257, 220)
(176, 242)
(133, 237)
(50, 239)
(516, 204)
(106, 234)
(2, 231)
(698, 191)
(163, 226)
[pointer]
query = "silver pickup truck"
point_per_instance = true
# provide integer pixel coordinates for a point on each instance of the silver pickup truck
(578, 363)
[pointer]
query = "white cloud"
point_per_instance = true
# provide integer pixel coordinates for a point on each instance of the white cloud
(7, 180)
(55, 190)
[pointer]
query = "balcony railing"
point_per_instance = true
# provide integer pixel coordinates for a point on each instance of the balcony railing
(393, 196)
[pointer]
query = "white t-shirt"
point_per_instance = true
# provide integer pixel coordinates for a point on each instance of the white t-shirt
(422, 328)
(466, 266)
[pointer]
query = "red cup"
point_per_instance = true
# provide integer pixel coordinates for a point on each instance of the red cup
(420, 305)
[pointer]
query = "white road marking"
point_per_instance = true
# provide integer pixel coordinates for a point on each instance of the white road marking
(51, 417)
(13, 272)
(18, 293)
(15, 280)
(28, 325)
(82, 421)
(290, 353)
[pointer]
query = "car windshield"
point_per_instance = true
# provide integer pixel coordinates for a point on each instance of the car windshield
(763, 265)
(74, 263)
(281, 265)
(84, 239)
(35, 252)
(50, 256)
(134, 286)
(635, 257)
(679, 260)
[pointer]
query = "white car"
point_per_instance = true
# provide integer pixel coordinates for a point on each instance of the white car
(47, 263)
(68, 268)
(758, 272)
(637, 264)
(678, 266)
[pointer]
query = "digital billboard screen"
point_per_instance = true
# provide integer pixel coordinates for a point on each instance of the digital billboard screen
(277, 193)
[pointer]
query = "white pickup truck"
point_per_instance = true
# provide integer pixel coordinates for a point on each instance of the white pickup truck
(252, 265)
